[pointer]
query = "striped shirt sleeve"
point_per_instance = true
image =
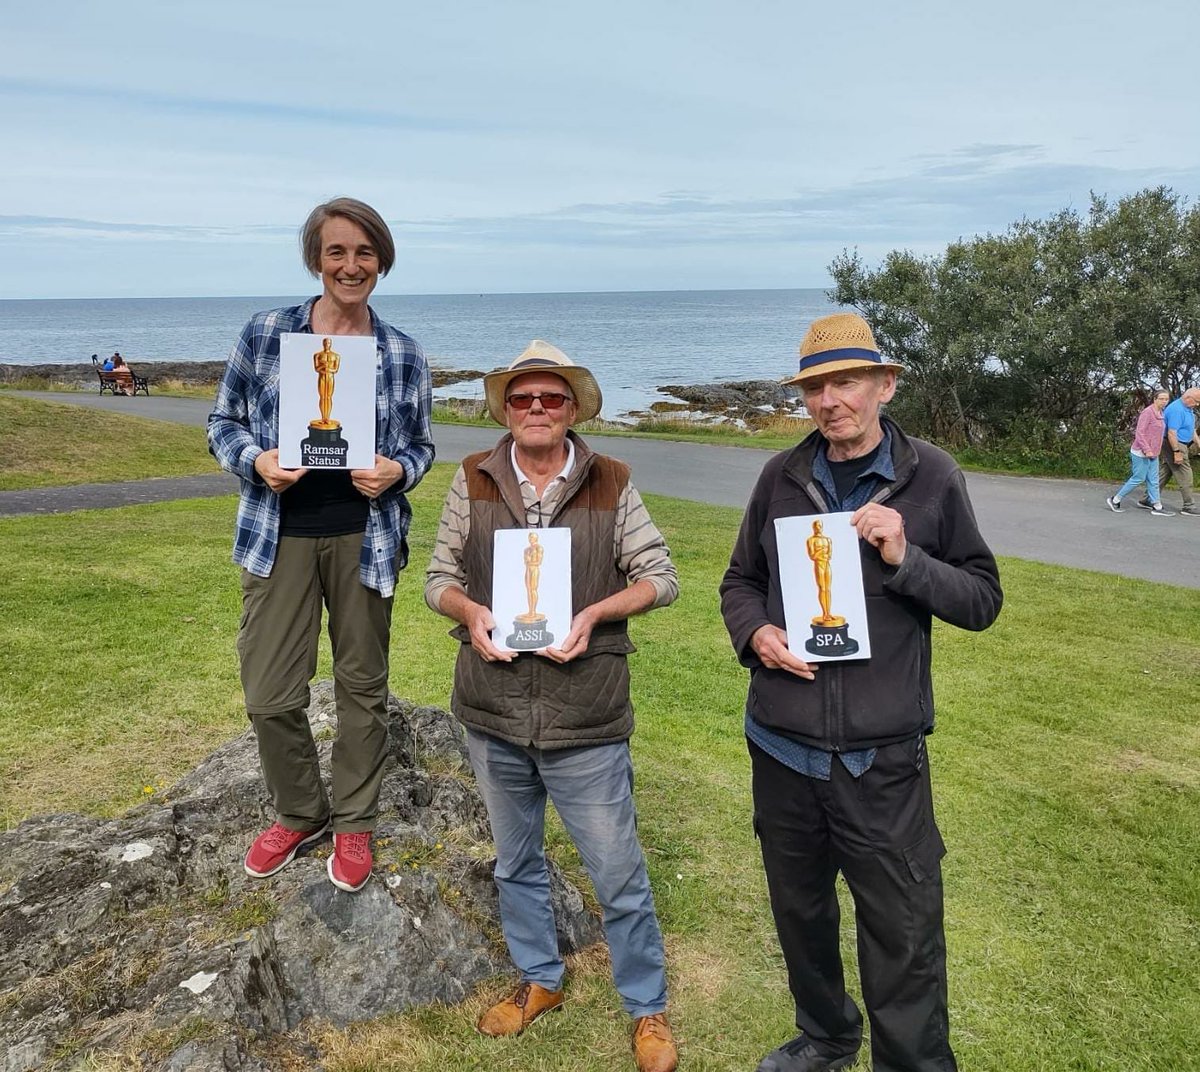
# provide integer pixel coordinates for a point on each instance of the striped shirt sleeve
(445, 567)
(641, 551)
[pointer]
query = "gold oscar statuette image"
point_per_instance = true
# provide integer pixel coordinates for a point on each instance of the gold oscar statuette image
(324, 447)
(820, 550)
(529, 629)
(326, 364)
(830, 634)
(534, 554)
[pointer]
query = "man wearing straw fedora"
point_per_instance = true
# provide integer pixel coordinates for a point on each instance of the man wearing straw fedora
(557, 722)
(840, 773)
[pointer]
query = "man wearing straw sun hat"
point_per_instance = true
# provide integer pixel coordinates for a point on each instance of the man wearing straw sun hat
(556, 722)
(840, 773)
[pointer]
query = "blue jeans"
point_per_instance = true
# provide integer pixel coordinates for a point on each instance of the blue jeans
(592, 791)
(1145, 471)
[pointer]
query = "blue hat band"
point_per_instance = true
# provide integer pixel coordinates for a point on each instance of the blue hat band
(845, 353)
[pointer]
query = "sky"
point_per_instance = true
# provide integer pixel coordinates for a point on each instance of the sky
(159, 149)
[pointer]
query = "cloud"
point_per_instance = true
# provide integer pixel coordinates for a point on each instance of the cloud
(981, 188)
(66, 228)
(18, 90)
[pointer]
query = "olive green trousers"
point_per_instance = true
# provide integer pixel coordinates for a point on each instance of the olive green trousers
(277, 646)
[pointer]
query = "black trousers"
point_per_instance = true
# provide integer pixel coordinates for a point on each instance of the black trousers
(879, 831)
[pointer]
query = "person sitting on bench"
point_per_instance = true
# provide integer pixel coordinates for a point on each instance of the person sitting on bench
(123, 375)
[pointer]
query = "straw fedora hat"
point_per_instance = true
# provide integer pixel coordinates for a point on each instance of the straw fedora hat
(540, 356)
(837, 343)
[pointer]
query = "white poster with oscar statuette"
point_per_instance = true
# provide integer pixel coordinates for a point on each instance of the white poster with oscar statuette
(531, 588)
(820, 574)
(326, 401)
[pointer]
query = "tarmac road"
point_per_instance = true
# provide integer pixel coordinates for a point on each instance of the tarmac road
(1064, 522)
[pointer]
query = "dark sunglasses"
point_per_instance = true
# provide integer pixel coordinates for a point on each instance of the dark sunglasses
(548, 399)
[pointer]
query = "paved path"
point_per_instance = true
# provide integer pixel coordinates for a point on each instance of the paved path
(1063, 522)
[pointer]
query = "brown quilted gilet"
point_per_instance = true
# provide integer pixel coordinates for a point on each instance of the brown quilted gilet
(534, 700)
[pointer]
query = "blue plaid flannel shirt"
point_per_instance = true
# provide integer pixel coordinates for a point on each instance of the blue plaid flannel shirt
(803, 758)
(245, 422)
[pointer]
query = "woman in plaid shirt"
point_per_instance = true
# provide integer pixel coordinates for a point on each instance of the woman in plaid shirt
(336, 537)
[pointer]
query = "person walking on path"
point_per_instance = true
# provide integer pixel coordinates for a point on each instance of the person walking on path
(556, 723)
(840, 772)
(1179, 419)
(330, 536)
(1143, 457)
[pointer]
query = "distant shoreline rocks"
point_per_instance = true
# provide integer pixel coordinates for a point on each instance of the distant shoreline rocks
(81, 376)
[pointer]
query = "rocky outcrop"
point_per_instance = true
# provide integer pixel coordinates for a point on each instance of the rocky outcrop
(737, 399)
(443, 377)
(143, 934)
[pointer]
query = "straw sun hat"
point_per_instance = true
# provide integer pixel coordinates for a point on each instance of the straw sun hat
(837, 343)
(540, 356)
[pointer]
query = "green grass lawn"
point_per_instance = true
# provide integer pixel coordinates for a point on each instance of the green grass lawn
(44, 444)
(1065, 770)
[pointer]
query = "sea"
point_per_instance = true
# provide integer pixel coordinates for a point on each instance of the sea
(634, 342)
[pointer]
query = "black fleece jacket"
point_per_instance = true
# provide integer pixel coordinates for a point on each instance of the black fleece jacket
(948, 571)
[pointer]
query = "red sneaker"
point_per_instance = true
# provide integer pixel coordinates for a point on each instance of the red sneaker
(276, 847)
(350, 865)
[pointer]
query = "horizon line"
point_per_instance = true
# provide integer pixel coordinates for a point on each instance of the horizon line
(417, 294)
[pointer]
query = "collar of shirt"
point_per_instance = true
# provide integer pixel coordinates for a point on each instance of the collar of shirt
(563, 473)
(882, 470)
(305, 324)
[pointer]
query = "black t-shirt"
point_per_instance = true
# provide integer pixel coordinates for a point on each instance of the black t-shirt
(323, 502)
(845, 474)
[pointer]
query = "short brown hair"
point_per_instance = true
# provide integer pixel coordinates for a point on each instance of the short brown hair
(356, 212)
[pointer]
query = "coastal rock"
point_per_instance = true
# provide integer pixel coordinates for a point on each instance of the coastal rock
(443, 377)
(738, 398)
(143, 933)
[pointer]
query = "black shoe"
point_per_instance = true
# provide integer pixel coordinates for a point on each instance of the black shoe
(1145, 504)
(1113, 503)
(1158, 511)
(1189, 511)
(800, 1055)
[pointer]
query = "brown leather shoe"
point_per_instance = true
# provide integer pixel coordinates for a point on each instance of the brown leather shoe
(654, 1045)
(517, 1011)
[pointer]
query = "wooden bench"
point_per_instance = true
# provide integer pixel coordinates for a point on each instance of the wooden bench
(112, 381)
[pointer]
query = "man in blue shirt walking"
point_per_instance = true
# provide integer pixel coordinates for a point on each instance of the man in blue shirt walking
(1175, 458)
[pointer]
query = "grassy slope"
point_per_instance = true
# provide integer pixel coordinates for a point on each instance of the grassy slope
(45, 444)
(1066, 778)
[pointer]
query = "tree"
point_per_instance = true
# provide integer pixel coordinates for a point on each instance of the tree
(1150, 244)
(1051, 334)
